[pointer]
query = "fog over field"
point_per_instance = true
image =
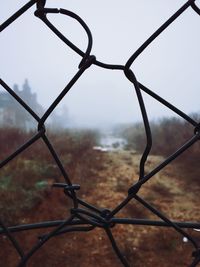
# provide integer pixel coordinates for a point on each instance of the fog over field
(169, 66)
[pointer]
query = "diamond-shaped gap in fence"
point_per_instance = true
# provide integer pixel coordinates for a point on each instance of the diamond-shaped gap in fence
(182, 126)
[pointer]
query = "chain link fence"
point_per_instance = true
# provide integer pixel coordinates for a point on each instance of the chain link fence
(85, 217)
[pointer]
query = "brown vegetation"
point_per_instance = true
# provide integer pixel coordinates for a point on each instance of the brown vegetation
(104, 179)
(168, 135)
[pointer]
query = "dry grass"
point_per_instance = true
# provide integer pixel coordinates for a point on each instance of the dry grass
(105, 179)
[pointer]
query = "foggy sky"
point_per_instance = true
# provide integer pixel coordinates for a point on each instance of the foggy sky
(169, 66)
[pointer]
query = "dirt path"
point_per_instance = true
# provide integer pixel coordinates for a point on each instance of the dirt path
(148, 246)
(106, 186)
(166, 190)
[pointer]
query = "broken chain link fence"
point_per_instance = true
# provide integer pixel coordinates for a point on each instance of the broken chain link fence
(84, 216)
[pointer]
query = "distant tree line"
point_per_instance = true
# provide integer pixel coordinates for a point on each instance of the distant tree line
(168, 135)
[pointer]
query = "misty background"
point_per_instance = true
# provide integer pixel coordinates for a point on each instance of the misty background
(169, 66)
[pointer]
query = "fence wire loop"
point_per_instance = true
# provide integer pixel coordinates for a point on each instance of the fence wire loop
(40, 3)
(195, 8)
(85, 217)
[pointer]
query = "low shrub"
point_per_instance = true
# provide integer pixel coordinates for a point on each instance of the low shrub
(24, 180)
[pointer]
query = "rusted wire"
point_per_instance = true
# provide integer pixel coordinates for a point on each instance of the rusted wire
(84, 216)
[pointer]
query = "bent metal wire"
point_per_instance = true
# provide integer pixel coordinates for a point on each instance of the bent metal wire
(84, 216)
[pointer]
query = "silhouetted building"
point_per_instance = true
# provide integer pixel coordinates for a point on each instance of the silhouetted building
(12, 114)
